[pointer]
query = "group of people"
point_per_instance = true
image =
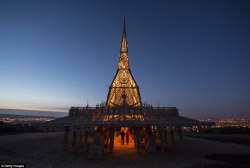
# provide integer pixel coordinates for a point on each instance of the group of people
(123, 134)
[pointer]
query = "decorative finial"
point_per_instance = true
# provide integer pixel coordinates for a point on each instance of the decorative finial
(124, 25)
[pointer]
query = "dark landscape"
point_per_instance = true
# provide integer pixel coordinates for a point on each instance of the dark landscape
(124, 84)
(36, 150)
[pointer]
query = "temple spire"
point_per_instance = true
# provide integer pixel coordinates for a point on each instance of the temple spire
(124, 26)
(123, 89)
(124, 42)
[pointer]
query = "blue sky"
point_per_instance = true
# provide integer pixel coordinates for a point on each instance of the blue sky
(190, 54)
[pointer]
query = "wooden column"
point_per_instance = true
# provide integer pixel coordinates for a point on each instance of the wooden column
(172, 134)
(66, 137)
(86, 136)
(137, 139)
(80, 137)
(111, 137)
(165, 136)
(74, 137)
(150, 147)
(162, 139)
(154, 131)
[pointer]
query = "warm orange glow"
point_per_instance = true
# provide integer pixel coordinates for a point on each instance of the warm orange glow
(124, 82)
(117, 141)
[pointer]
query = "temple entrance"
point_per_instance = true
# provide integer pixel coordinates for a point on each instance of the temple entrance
(124, 137)
(124, 145)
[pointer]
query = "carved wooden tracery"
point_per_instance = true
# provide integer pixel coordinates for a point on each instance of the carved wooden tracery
(123, 82)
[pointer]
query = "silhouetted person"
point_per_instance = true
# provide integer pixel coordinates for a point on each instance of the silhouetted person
(127, 136)
(122, 137)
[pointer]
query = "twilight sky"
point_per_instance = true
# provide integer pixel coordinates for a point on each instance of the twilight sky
(194, 55)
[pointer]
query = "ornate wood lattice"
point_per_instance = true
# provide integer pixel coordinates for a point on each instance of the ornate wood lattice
(123, 82)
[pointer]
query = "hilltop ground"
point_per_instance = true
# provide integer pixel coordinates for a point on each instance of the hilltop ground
(42, 150)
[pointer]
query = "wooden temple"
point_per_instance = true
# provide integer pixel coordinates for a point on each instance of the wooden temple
(123, 109)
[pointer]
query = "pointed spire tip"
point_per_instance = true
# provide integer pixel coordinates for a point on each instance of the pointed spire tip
(124, 25)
